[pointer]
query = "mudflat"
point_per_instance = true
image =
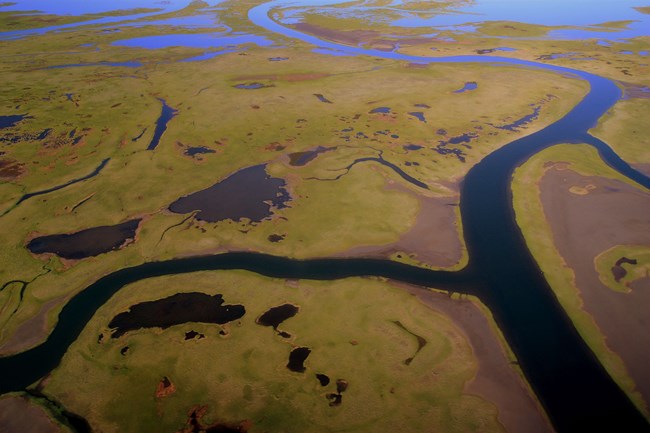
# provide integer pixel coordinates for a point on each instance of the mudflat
(599, 214)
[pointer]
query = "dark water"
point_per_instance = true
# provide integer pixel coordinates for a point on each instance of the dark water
(198, 150)
(514, 126)
(251, 86)
(166, 114)
(618, 271)
(27, 196)
(418, 115)
(85, 243)
(471, 85)
(492, 50)
(421, 341)
(130, 64)
(322, 98)
(276, 315)
(383, 110)
(9, 121)
(298, 159)
(174, 310)
(297, 359)
(323, 379)
(249, 193)
(410, 179)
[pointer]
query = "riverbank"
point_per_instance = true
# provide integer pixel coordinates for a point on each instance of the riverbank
(583, 208)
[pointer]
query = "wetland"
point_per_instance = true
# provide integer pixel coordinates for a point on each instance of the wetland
(361, 163)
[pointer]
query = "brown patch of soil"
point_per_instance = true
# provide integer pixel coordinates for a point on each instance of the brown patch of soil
(373, 38)
(31, 332)
(19, 415)
(643, 168)
(432, 240)
(496, 380)
(165, 388)
(11, 169)
(632, 90)
(614, 213)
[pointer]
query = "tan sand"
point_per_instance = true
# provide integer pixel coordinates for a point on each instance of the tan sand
(496, 380)
(19, 415)
(31, 332)
(584, 225)
(372, 38)
(433, 240)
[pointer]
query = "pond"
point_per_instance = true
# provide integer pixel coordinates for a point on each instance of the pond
(249, 194)
(86, 243)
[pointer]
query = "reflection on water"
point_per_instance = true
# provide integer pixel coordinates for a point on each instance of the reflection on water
(575, 19)
(463, 17)
(82, 7)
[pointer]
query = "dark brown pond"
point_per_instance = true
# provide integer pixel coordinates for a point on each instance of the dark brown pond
(297, 359)
(337, 398)
(618, 271)
(12, 120)
(249, 193)
(198, 150)
(174, 310)
(323, 379)
(322, 98)
(86, 243)
(298, 159)
(276, 315)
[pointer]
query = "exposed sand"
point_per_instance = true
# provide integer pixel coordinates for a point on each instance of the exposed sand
(608, 213)
(372, 38)
(495, 380)
(18, 415)
(432, 240)
(643, 168)
(29, 333)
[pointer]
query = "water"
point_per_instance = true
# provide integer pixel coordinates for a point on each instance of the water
(249, 194)
(85, 243)
(167, 113)
(587, 16)
(467, 87)
(573, 387)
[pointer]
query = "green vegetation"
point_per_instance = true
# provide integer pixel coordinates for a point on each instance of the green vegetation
(624, 128)
(109, 107)
(12, 21)
(243, 375)
(366, 190)
(603, 263)
(537, 232)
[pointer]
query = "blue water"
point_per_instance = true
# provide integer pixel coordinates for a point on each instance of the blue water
(167, 113)
(130, 64)
(467, 87)
(463, 18)
(10, 120)
(208, 55)
(79, 7)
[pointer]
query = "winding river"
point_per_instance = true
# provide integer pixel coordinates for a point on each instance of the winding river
(572, 385)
